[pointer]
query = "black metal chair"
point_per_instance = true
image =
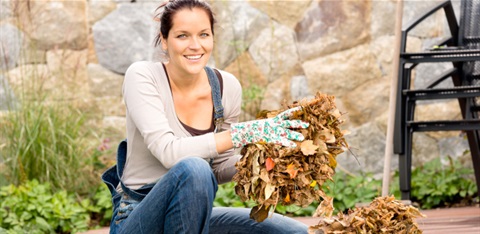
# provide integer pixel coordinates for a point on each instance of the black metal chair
(462, 49)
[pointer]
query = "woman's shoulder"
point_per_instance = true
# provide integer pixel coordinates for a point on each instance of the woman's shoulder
(143, 66)
(229, 79)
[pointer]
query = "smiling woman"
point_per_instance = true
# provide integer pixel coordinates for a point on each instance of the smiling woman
(182, 128)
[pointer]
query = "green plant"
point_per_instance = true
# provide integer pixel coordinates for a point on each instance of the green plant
(293, 210)
(226, 197)
(347, 190)
(252, 97)
(34, 208)
(101, 210)
(47, 138)
(44, 141)
(436, 184)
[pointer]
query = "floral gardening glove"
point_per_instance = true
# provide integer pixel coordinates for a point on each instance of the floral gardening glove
(272, 130)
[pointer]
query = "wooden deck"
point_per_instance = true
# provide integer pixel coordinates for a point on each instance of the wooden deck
(464, 220)
(454, 220)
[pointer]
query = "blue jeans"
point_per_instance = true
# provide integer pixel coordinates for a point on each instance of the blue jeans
(181, 202)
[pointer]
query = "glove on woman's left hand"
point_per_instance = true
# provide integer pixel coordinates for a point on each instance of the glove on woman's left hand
(272, 130)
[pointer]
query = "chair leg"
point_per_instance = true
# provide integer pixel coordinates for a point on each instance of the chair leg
(398, 140)
(474, 142)
(405, 166)
(473, 138)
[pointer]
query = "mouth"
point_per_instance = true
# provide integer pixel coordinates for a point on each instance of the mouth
(193, 57)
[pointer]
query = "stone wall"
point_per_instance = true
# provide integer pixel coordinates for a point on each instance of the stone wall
(279, 50)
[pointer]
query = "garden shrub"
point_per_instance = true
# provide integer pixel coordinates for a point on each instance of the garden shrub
(33, 208)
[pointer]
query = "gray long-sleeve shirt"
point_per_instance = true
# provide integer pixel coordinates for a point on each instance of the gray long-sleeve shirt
(155, 136)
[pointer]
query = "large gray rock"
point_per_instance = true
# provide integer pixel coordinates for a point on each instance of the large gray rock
(125, 36)
(238, 24)
(424, 148)
(447, 109)
(67, 71)
(453, 147)
(330, 26)
(433, 26)
(104, 82)
(285, 12)
(11, 40)
(367, 101)
(342, 72)
(382, 48)
(367, 150)
(30, 76)
(55, 24)
(97, 9)
(299, 88)
(275, 94)
(5, 9)
(383, 18)
(275, 51)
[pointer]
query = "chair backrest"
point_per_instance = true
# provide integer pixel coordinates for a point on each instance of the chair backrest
(469, 34)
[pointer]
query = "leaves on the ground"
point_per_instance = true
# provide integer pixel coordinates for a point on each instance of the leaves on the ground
(383, 215)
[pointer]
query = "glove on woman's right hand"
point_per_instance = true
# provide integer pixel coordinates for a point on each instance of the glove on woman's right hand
(272, 130)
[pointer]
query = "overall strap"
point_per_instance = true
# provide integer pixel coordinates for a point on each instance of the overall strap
(137, 194)
(217, 98)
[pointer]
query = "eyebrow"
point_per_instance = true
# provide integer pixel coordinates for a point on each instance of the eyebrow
(183, 31)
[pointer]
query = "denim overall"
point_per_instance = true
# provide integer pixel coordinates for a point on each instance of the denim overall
(125, 202)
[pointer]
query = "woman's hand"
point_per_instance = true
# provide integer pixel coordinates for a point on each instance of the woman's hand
(272, 130)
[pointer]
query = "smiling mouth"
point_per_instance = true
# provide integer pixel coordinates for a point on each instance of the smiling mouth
(193, 57)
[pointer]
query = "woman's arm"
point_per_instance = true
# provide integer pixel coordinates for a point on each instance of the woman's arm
(223, 141)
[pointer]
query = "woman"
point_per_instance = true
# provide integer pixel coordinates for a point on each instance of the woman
(176, 152)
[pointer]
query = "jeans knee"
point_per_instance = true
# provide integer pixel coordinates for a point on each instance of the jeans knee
(197, 171)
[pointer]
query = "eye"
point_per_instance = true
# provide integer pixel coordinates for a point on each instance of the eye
(204, 35)
(182, 36)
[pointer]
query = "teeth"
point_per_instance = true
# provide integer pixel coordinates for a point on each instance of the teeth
(194, 57)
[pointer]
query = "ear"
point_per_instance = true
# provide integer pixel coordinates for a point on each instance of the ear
(163, 41)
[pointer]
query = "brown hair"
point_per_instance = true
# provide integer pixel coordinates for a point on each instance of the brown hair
(173, 6)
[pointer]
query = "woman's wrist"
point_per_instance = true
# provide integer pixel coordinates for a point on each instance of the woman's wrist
(223, 141)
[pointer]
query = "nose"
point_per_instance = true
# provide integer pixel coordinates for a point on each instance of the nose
(194, 43)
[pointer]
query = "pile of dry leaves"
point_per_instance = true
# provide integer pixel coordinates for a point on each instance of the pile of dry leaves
(271, 174)
(383, 215)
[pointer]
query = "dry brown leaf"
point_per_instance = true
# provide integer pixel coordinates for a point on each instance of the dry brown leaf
(259, 213)
(308, 148)
(269, 189)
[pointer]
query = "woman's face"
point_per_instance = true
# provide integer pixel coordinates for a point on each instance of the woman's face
(190, 41)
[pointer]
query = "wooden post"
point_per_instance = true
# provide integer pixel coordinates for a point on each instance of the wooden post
(392, 100)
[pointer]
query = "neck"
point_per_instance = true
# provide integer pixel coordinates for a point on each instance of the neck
(183, 82)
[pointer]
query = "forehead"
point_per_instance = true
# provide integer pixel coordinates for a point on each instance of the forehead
(187, 18)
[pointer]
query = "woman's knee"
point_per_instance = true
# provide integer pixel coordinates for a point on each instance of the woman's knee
(195, 169)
